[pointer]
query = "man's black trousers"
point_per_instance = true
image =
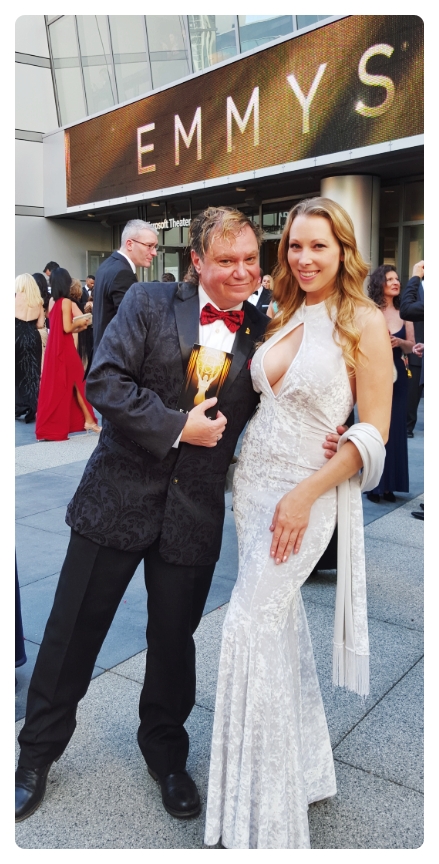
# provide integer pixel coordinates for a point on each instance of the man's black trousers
(91, 585)
(415, 391)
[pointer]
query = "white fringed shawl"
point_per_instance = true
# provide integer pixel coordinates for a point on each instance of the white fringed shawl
(351, 640)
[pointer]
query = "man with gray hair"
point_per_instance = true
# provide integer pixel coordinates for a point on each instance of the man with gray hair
(118, 272)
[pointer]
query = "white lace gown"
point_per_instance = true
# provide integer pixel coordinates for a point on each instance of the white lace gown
(271, 754)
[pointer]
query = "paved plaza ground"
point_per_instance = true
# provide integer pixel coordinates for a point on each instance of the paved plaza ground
(99, 795)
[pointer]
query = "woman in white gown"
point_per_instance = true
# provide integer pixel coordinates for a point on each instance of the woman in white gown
(325, 350)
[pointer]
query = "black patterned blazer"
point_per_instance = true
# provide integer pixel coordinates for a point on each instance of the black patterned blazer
(136, 485)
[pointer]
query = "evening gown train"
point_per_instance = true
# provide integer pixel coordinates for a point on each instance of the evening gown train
(395, 477)
(58, 411)
(271, 753)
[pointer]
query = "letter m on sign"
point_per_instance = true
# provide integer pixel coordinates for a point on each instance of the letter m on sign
(180, 130)
(232, 111)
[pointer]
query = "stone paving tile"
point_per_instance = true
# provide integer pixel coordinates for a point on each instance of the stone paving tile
(388, 742)
(99, 794)
(395, 584)
(367, 813)
(399, 527)
(48, 454)
(393, 651)
(39, 491)
(39, 553)
(53, 521)
(126, 635)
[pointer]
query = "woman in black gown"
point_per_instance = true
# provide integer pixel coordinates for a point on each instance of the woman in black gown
(29, 317)
(384, 289)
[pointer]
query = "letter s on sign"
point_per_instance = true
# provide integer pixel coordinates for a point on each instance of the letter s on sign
(375, 81)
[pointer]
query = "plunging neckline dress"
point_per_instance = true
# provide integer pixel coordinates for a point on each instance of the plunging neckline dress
(271, 753)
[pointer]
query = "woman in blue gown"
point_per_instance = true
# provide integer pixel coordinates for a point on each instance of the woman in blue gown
(384, 289)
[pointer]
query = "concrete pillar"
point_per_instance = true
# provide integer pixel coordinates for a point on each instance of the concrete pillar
(359, 194)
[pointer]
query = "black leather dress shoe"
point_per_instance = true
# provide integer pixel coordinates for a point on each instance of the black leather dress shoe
(410, 434)
(418, 514)
(179, 794)
(30, 786)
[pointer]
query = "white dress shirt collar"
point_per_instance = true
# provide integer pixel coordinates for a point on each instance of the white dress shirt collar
(133, 266)
(204, 298)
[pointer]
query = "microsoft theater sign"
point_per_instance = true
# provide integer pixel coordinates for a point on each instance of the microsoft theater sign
(354, 82)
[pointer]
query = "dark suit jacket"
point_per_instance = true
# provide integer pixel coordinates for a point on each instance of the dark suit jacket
(136, 485)
(264, 300)
(113, 278)
(412, 309)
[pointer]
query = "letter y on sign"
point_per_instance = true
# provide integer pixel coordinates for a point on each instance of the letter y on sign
(305, 101)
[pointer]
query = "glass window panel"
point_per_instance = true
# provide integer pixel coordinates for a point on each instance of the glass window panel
(94, 42)
(166, 71)
(166, 32)
(414, 202)
(412, 250)
(128, 35)
(63, 38)
(133, 79)
(390, 202)
(171, 264)
(67, 71)
(274, 216)
(98, 88)
(70, 94)
(167, 47)
(131, 62)
(93, 35)
(388, 252)
(172, 237)
(306, 20)
(256, 30)
(213, 39)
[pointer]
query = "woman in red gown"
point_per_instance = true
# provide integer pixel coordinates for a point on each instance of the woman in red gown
(62, 406)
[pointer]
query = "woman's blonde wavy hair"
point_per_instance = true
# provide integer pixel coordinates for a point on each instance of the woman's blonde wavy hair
(25, 284)
(348, 291)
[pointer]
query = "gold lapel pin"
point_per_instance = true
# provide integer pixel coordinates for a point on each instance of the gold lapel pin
(247, 332)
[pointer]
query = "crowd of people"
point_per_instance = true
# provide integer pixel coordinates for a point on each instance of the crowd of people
(307, 344)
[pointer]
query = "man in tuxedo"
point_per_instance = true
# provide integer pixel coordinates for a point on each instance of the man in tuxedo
(262, 295)
(154, 490)
(118, 272)
(412, 309)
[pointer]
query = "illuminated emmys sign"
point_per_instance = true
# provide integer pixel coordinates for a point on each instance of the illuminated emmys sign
(354, 82)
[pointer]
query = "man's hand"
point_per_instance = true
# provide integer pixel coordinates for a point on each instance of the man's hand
(200, 430)
(418, 349)
(418, 269)
(331, 441)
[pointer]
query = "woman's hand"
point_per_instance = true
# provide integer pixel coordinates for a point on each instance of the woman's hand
(395, 341)
(289, 523)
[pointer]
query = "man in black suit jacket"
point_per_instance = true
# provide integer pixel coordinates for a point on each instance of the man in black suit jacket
(262, 294)
(118, 272)
(412, 309)
(153, 490)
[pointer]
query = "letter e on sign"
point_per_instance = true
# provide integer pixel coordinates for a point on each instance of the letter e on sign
(146, 148)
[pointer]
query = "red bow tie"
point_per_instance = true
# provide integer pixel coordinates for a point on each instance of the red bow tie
(232, 320)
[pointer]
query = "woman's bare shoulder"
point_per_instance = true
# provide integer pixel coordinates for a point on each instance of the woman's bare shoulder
(369, 317)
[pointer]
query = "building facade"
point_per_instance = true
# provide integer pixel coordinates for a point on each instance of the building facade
(157, 117)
